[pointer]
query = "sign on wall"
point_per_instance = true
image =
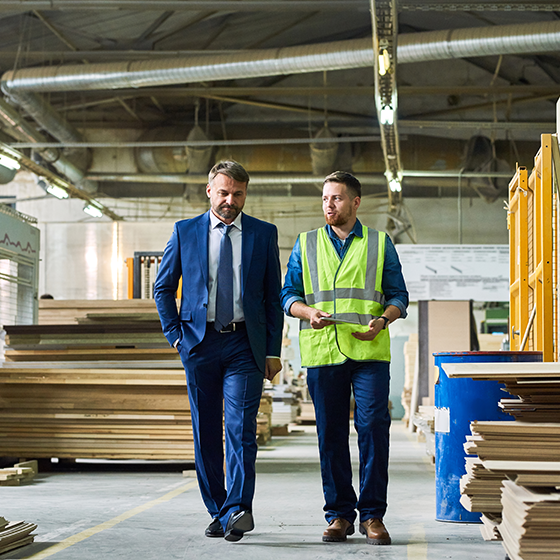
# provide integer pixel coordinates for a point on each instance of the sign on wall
(456, 272)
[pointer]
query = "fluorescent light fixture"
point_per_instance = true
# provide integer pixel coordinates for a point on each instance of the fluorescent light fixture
(395, 185)
(386, 115)
(9, 162)
(58, 192)
(93, 211)
(384, 62)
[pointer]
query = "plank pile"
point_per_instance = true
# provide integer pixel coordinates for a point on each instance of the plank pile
(104, 385)
(517, 441)
(535, 384)
(531, 522)
(74, 311)
(95, 412)
(285, 405)
(19, 473)
(15, 534)
(481, 489)
(528, 515)
(264, 420)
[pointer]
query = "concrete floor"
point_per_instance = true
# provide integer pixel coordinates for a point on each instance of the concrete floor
(149, 511)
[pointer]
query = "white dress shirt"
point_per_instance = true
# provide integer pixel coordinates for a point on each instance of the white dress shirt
(214, 241)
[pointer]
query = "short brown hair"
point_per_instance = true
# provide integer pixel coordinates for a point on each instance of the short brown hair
(353, 186)
(230, 169)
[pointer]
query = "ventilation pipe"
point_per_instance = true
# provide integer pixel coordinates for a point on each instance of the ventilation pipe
(480, 157)
(49, 119)
(198, 158)
(161, 160)
(19, 129)
(413, 47)
(323, 154)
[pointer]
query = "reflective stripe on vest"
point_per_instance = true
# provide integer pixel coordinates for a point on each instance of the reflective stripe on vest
(349, 287)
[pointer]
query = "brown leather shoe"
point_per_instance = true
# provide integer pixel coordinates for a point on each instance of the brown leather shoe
(338, 530)
(375, 531)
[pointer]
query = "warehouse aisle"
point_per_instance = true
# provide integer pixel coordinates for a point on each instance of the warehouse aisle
(149, 511)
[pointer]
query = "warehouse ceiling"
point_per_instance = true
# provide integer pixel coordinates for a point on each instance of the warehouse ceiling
(137, 98)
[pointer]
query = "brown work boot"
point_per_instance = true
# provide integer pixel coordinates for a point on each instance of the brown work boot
(375, 531)
(338, 530)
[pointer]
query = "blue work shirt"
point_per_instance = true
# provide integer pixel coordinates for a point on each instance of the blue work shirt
(392, 283)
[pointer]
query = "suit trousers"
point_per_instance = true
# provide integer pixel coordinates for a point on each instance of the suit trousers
(330, 388)
(224, 381)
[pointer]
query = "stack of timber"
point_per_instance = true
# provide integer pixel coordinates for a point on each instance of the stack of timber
(95, 412)
(91, 330)
(536, 384)
(424, 420)
(531, 524)
(530, 499)
(264, 420)
(307, 413)
(20, 473)
(517, 441)
(15, 534)
(104, 385)
(410, 369)
(285, 406)
(481, 489)
(74, 311)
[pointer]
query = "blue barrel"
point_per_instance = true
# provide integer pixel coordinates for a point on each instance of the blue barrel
(458, 402)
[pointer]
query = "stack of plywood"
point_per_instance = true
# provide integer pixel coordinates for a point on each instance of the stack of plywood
(95, 412)
(74, 311)
(481, 489)
(15, 534)
(517, 441)
(536, 384)
(18, 474)
(410, 367)
(531, 522)
(104, 384)
(530, 501)
(264, 423)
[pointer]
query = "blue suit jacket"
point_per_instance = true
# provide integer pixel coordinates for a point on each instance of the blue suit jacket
(186, 255)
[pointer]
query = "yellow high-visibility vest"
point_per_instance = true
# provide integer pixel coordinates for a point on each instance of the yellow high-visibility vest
(348, 287)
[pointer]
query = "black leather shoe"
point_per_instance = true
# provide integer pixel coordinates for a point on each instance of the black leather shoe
(215, 529)
(239, 523)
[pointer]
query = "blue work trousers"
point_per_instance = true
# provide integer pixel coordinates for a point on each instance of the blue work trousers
(224, 381)
(330, 388)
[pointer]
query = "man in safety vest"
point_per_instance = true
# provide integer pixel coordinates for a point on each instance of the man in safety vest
(344, 282)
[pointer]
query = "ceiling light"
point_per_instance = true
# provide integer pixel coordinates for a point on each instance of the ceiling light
(58, 192)
(386, 115)
(395, 185)
(93, 211)
(384, 62)
(9, 162)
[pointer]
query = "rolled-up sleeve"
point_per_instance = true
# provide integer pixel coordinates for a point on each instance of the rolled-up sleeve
(293, 282)
(393, 284)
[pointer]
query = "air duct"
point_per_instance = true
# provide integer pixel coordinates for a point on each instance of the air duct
(480, 157)
(49, 119)
(163, 159)
(413, 47)
(323, 155)
(21, 130)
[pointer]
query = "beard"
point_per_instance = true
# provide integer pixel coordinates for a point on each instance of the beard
(338, 220)
(228, 212)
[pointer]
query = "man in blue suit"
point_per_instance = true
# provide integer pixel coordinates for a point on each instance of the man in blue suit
(228, 332)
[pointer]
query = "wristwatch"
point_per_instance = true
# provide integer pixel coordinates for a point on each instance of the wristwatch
(385, 321)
